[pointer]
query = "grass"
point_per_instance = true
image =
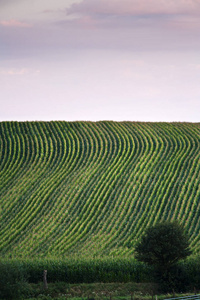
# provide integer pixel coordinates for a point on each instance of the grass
(106, 291)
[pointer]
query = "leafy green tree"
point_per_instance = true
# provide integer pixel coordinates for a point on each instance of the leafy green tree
(163, 245)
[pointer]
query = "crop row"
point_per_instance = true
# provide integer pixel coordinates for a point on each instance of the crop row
(93, 188)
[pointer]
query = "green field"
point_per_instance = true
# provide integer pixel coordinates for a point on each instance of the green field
(90, 189)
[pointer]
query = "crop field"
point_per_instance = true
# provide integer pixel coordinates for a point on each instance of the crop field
(90, 189)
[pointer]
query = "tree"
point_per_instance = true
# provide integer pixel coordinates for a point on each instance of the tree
(163, 245)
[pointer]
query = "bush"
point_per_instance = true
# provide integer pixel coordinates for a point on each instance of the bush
(13, 280)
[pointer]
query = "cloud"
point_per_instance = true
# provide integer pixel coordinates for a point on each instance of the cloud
(53, 11)
(159, 18)
(14, 71)
(13, 23)
(134, 7)
(18, 71)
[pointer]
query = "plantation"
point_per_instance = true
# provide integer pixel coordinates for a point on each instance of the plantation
(83, 193)
(92, 188)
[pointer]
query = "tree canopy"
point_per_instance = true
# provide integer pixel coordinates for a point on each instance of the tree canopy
(163, 245)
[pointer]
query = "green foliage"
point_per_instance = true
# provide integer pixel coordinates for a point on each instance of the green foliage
(89, 190)
(79, 270)
(92, 188)
(163, 245)
(24, 277)
(13, 280)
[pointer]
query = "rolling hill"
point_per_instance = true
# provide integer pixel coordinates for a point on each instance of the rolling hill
(91, 188)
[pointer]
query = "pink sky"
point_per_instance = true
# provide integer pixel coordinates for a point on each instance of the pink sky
(134, 60)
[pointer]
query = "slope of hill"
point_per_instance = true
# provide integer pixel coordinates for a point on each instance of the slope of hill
(92, 188)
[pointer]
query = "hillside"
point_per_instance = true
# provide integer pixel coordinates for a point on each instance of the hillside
(92, 188)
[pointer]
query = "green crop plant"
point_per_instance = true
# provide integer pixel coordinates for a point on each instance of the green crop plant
(91, 188)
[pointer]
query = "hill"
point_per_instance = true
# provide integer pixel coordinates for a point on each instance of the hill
(92, 188)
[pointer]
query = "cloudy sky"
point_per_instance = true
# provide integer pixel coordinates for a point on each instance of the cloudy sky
(136, 60)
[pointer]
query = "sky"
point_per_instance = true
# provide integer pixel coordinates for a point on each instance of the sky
(133, 60)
